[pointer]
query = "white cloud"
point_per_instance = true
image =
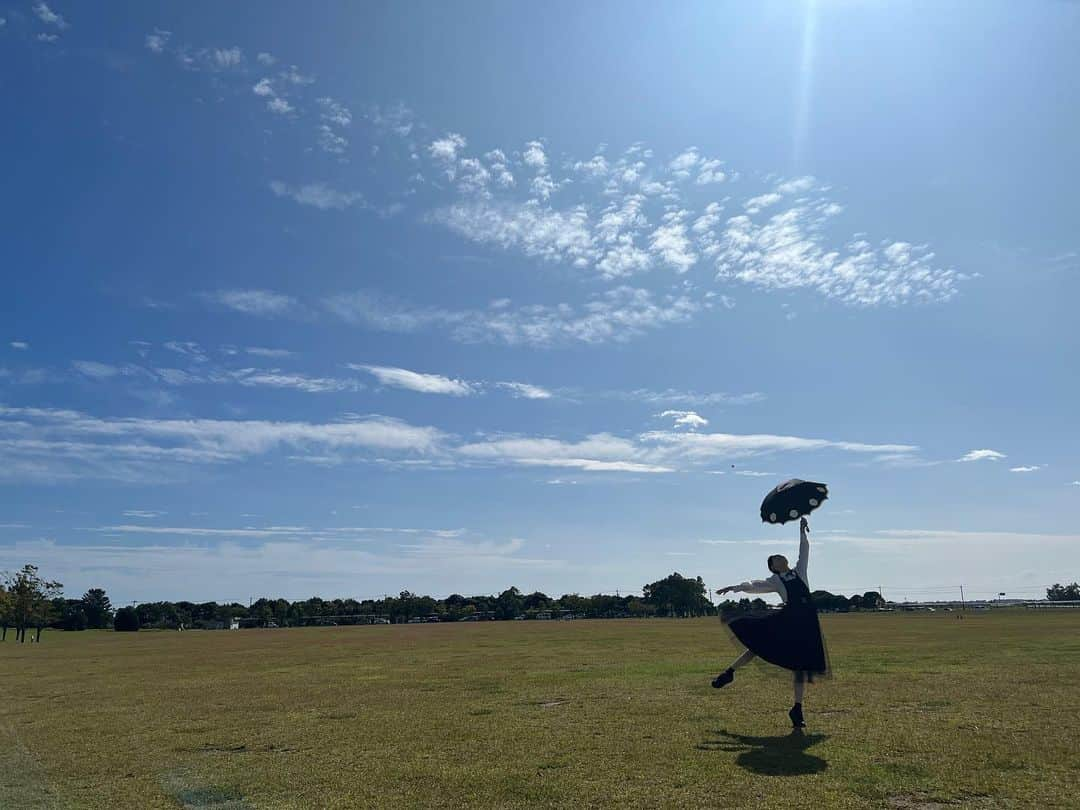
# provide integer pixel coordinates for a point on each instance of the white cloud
(796, 186)
(672, 396)
(473, 176)
(446, 149)
(263, 88)
(543, 186)
(670, 242)
(259, 351)
(48, 16)
(705, 446)
(1026, 469)
(417, 381)
(762, 201)
(499, 167)
(754, 473)
(275, 378)
(330, 141)
(534, 155)
(253, 302)
(687, 419)
(265, 59)
(50, 444)
(600, 452)
(982, 455)
(710, 171)
(157, 41)
(681, 165)
(1074, 484)
(616, 315)
(538, 231)
(292, 75)
(187, 348)
(789, 252)
(525, 390)
(334, 112)
(19, 345)
(317, 195)
(146, 514)
(50, 38)
(227, 57)
(594, 167)
(95, 370)
(279, 105)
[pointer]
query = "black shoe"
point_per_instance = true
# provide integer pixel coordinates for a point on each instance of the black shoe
(723, 679)
(796, 716)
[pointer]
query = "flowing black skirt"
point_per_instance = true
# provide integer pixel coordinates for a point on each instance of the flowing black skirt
(790, 638)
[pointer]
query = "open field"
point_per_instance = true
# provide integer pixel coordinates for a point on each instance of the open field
(924, 711)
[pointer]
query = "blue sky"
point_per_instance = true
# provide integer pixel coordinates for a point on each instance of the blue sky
(353, 299)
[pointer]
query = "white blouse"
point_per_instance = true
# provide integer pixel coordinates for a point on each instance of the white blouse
(775, 583)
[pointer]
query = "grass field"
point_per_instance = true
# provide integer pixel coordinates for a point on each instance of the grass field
(924, 711)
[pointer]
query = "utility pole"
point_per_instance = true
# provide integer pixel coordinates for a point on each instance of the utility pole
(963, 604)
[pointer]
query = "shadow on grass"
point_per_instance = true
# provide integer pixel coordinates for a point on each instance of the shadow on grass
(774, 756)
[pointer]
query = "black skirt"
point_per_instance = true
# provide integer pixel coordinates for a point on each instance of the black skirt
(790, 637)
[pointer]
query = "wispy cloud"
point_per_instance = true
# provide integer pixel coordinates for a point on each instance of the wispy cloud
(789, 251)
(253, 302)
(317, 195)
(982, 455)
(260, 351)
(417, 381)
(157, 41)
(95, 370)
(1026, 469)
(525, 390)
(146, 514)
(672, 396)
(274, 378)
(187, 348)
(617, 315)
(50, 444)
(49, 17)
(19, 345)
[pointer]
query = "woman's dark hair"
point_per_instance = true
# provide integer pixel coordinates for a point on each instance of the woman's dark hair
(771, 558)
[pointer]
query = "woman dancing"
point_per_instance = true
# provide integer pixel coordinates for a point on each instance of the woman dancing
(790, 637)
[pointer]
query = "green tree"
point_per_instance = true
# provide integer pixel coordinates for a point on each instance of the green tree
(871, 600)
(509, 604)
(127, 620)
(30, 599)
(1063, 593)
(98, 609)
(5, 610)
(676, 595)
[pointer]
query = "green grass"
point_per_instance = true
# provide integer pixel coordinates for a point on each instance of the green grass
(924, 711)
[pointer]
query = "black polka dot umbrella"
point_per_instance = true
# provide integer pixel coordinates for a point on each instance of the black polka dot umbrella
(792, 499)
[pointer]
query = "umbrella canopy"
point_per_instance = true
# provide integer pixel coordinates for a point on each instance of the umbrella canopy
(792, 499)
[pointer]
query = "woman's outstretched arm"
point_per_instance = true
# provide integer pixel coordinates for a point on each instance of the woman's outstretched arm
(751, 586)
(804, 549)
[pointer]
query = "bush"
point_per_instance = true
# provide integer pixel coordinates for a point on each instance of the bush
(127, 620)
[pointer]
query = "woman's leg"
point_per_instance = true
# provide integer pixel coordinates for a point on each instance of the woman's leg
(728, 675)
(745, 658)
(796, 715)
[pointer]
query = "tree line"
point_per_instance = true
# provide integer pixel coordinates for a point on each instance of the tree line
(29, 602)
